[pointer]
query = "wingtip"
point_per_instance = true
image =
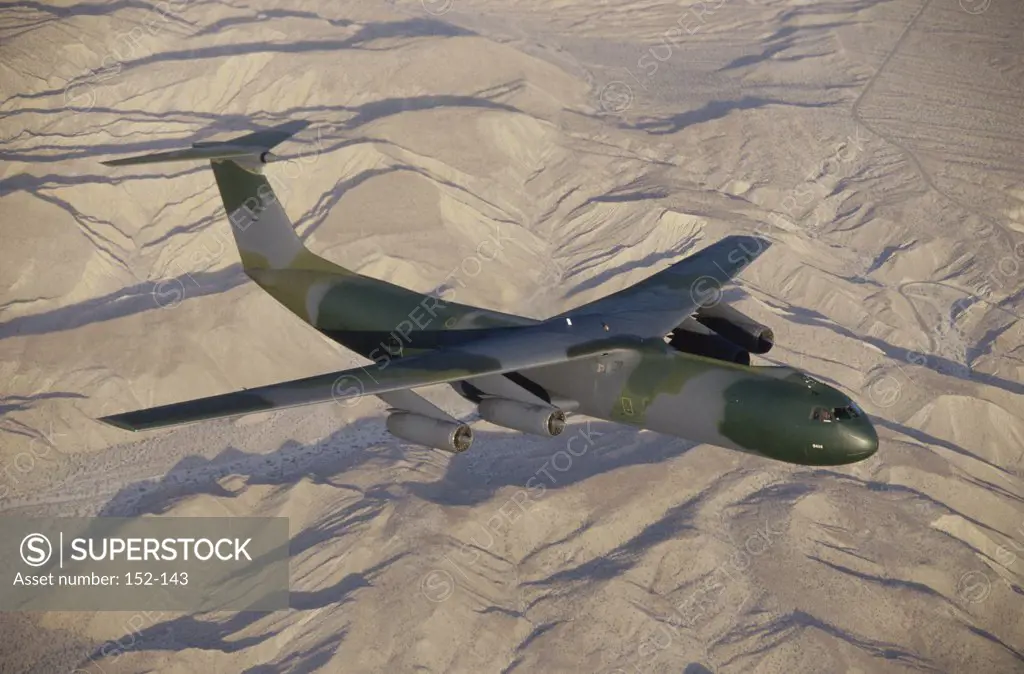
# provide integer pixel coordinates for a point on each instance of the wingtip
(749, 244)
(761, 241)
(749, 237)
(118, 421)
(123, 161)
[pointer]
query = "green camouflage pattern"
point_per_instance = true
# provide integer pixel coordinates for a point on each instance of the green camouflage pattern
(376, 319)
(607, 358)
(765, 410)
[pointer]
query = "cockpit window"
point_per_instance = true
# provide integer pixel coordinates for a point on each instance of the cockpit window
(836, 413)
(843, 413)
(822, 414)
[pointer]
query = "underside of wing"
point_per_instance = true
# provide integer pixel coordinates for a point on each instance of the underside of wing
(659, 303)
(407, 400)
(523, 348)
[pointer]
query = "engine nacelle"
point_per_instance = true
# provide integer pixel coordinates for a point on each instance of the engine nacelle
(737, 327)
(692, 337)
(535, 419)
(444, 435)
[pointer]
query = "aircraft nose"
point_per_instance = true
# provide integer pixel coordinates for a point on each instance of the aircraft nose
(861, 440)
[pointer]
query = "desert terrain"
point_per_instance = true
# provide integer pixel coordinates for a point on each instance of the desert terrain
(878, 145)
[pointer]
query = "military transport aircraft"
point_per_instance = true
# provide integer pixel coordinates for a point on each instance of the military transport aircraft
(664, 354)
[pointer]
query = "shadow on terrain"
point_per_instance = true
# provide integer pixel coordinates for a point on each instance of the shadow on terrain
(711, 111)
(510, 460)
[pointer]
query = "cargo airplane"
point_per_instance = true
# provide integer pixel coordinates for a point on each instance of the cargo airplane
(664, 354)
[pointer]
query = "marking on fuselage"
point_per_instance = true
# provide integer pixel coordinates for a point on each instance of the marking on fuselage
(627, 406)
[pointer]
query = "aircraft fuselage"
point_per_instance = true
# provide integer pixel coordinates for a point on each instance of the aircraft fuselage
(776, 412)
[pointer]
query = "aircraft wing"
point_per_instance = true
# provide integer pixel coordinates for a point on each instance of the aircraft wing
(659, 303)
(623, 320)
(408, 400)
(548, 343)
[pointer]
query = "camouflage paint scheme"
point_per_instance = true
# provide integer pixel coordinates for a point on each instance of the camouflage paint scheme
(607, 359)
(761, 410)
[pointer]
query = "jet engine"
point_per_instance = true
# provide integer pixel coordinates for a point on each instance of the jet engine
(535, 419)
(692, 337)
(738, 328)
(444, 435)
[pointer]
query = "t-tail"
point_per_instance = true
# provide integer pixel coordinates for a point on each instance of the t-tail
(265, 236)
(367, 315)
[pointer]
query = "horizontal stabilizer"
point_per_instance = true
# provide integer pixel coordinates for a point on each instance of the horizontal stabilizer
(266, 138)
(252, 145)
(218, 151)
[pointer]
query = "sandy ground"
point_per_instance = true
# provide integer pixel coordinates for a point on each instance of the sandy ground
(880, 145)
